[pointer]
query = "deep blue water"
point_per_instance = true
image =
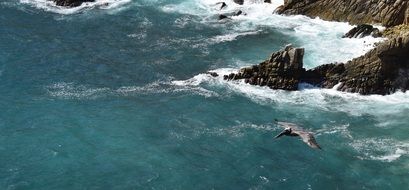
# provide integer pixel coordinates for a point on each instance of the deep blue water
(116, 99)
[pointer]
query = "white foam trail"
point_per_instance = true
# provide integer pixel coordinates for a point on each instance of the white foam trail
(65, 90)
(335, 129)
(72, 91)
(52, 7)
(231, 37)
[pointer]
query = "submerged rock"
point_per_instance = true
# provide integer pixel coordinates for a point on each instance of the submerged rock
(238, 13)
(71, 3)
(362, 30)
(388, 13)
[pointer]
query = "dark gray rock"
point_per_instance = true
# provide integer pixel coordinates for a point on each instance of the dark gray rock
(213, 74)
(71, 3)
(361, 31)
(240, 2)
(238, 13)
(221, 17)
(222, 5)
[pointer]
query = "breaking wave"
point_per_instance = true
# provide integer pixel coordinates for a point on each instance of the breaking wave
(52, 7)
(324, 99)
(315, 35)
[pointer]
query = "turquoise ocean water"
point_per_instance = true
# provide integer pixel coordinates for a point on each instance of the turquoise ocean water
(114, 96)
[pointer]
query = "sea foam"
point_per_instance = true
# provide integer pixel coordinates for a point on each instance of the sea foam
(52, 7)
(322, 39)
(323, 99)
(382, 149)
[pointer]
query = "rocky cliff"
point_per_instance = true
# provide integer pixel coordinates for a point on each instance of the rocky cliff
(383, 70)
(385, 12)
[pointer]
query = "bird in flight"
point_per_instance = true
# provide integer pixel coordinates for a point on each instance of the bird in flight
(293, 130)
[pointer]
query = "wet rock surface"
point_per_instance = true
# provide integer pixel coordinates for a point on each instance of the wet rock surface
(240, 2)
(71, 3)
(363, 30)
(383, 70)
(282, 71)
(385, 12)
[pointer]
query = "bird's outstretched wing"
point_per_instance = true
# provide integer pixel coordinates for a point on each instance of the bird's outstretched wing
(308, 138)
(290, 125)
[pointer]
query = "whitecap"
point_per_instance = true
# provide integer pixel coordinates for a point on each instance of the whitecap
(231, 36)
(52, 7)
(322, 39)
(381, 149)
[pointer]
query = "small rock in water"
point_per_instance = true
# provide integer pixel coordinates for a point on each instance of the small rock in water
(240, 2)
(71, 3)
(238, 13)
(221, 17)
(223, 5)
(213, 74)
(361, 31)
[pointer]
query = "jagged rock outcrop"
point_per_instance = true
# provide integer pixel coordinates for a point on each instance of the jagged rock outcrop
(383, 70)
(363, 30)
(385, 12)
(282, 71)
(71, 3)
(396, 31)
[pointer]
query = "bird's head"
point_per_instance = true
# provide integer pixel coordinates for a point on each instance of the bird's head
(286, 131)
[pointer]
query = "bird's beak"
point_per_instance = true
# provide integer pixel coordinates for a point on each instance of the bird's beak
(279, 135)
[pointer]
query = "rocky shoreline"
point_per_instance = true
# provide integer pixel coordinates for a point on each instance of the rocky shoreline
(383, 70)
(385, 12)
